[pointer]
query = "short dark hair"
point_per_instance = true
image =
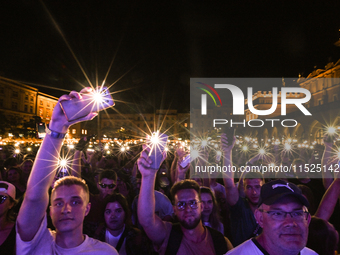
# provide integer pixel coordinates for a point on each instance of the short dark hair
(119, 198)
(69, 181)
(108, 174)
(185, 184)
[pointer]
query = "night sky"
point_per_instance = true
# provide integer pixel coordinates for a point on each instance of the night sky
(156, 48)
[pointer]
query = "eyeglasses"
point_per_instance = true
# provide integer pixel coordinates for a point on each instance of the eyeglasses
(281, 215)
(111, 186)
(192, 203)
(3, 198)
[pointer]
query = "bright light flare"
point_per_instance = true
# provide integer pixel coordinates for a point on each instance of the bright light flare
(244, 148)
(204, 143)
(262, 151)
(287, 147)
(17, 151)
(154, 139)
(194, 154)
(63, 163)
(97, 97)
(331, 130)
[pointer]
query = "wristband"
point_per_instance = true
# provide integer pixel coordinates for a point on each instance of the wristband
(54, 134)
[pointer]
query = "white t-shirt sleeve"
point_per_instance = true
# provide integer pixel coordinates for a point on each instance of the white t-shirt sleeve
(42, 243)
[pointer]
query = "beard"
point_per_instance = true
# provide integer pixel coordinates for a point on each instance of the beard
(191, 224)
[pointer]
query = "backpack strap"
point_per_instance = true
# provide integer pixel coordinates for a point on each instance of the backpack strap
(220, 244)
(121, 239)
(175, 240)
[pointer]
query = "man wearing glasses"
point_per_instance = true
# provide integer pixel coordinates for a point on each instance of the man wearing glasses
(189, 236)
(284, 218)
(106, 185)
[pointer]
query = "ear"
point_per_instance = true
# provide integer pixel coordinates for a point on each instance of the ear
(259, 217)
(88, 208)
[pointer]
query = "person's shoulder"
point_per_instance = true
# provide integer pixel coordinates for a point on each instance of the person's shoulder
(160, 195)
(100, 247)
(247, 246)
(307, 251)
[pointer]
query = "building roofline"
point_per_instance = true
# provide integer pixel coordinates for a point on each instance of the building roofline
(17, 83)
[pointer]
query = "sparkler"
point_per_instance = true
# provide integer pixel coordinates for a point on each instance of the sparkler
(287, 147)
(262, 151)
(331, 130)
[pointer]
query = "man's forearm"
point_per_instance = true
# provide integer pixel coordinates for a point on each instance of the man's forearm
(146, 201)
(35, 202)
(44, 168)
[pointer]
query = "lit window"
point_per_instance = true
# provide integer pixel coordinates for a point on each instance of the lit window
(85, 132)
(74, 131)
(186, 124)
(82, 131)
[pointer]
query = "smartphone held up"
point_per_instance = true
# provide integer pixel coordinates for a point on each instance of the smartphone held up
(157, 143)
(94, 101)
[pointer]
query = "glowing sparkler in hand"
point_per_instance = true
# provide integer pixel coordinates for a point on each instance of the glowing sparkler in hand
(157, 143)
(95, 101)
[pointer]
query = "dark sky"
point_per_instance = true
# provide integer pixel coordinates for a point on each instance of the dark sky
(157, 47)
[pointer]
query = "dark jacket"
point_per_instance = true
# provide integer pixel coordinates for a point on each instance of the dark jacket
(135, 241)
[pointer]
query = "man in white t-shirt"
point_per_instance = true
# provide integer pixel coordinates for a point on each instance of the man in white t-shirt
(284, 218)
(69, 199)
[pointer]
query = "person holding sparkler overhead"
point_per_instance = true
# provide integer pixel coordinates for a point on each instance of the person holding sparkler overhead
(243, 223)
(189, 237)
(69, 198)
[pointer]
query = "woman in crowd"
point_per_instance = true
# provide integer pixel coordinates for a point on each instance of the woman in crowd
(210, 214)
(118, 230)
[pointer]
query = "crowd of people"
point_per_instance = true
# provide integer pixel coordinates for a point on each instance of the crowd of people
(102, 204)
